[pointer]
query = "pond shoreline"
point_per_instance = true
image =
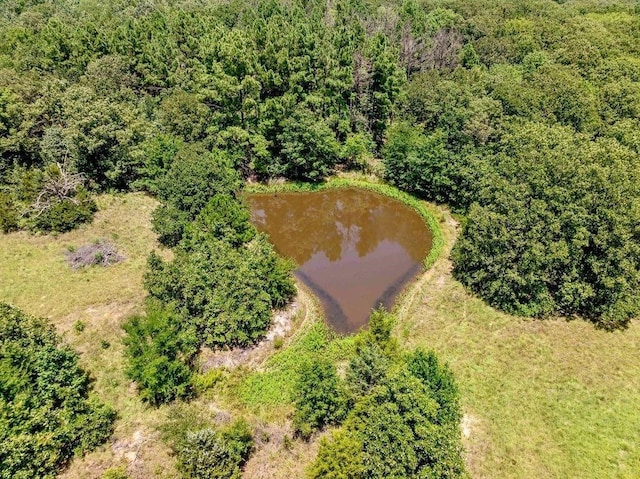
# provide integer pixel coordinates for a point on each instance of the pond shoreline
(416, 205)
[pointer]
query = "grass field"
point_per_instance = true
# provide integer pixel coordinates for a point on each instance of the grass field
(542, 399)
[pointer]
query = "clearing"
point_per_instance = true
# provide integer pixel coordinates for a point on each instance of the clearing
(551, 398)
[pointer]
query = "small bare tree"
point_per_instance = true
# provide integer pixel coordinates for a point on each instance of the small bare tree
(413, 51)
(59, 185)
(444, 50)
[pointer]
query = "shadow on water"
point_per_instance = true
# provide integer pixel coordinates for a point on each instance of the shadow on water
(331, 307)
(355, 249)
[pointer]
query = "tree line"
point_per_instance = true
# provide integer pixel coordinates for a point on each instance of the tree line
(516, 114)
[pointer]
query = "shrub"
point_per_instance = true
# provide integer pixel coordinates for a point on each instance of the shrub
(66, 214)
(115, 473)
(320, 399)
(160, 350)
(195, 176)
(9, 214)
(47, 414)
(340, 457)
(211, 454)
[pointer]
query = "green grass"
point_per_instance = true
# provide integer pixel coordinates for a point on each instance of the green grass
(543, 399)
(274, 385)
(552, 399)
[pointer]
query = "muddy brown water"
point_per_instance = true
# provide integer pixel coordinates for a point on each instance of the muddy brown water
(354, 248)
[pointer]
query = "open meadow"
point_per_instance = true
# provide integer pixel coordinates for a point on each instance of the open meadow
(552, 398)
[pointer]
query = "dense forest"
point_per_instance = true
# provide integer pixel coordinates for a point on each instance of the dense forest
(522, 116)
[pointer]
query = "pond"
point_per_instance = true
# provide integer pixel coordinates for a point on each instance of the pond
(354, 249)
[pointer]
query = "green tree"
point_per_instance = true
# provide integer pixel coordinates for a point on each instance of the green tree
(320, 398)
(223, 218)
(160, 349)
(309, 149)
(47, 411)
(215, 454)
(195, 176)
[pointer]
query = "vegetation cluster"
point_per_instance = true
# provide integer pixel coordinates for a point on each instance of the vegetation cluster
(47, 411)
(218, 291)
(399, 412)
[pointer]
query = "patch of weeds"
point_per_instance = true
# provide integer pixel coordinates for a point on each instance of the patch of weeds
(115, 473)
(79, 326)
(287, 442)
(204, 381)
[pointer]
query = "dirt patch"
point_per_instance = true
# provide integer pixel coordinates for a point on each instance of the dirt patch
(129, 448)
(476, 443)
(100, 253)
(281, 327)
(277, 455)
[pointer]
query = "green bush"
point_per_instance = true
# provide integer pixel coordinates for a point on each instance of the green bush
(47, 414)
(66, 214)
(160, 350)
(9, 214)
(169, 222)
(440, 381)
(319, 397)
(375, 351)
(340, 456)
(213, 454)
(405, 419)
(222, 218)
(115, 473)
(195, 176)
(226, 293)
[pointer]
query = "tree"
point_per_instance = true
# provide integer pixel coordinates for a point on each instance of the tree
(309, 149)
(226, 293)
(213, 454)
(320, 399)
(160, 349)
(47, 411)
(195, 176)
(223, 218)
(440, 381)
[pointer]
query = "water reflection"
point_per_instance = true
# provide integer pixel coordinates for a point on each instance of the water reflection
(354, 248)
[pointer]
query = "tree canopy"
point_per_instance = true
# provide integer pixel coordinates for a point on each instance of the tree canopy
(47, 411)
